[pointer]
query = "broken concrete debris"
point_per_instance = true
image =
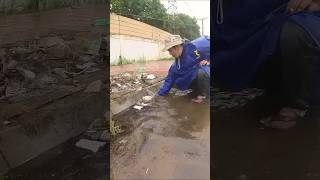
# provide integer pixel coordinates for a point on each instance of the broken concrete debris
(90, 145)
(147, 99)
(94, 86)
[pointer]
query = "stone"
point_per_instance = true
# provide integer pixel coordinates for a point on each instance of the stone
(59, 51)
(12, 64)
(146, 99)
(94, 86)
(28, 75)
(51, 41)
(127, 76)
(85, 58)
(6, 123)
(104, 136)
(85, 65)
(13, 88)
(60, 72)
(242, 177)
(45, 79)
(90, 145)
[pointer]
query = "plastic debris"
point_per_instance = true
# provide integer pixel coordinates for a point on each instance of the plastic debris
(138, 107)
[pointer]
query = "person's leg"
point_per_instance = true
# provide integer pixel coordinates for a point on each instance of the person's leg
(300, 75)
(300, 66)
(203, 86)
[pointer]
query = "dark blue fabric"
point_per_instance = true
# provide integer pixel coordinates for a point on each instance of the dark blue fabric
(248, 35)
(189, 66)
(203, 45)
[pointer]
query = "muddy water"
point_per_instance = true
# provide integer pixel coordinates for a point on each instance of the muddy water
(243, 150)
(169, 140)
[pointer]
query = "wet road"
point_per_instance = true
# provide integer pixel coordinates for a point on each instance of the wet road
(243, 150)
(169, 140)
(24, 27)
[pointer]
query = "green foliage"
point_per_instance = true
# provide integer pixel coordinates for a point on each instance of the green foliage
(154, 13)
(187, 27)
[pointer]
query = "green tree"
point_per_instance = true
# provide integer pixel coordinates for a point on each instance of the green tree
(148, 11)
(154, 13)
(187, 26)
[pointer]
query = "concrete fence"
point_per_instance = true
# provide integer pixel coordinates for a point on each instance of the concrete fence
(133, 41)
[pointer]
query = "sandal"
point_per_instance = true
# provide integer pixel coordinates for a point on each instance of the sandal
(198, 99)
(284, 120)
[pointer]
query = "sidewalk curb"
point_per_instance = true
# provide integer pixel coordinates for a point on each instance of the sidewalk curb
(19, 146)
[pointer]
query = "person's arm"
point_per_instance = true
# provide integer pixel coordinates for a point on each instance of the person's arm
(197, 56)
(168, 83)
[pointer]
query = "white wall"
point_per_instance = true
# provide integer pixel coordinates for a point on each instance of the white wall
(135, 49)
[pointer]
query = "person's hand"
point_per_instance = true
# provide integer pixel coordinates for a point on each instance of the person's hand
(314, 6)
(204, 62)
(300, 5)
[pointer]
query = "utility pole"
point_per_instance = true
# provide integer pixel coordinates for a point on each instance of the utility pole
(202, 26)
(172, 10)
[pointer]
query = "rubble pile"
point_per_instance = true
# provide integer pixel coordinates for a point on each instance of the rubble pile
(42, 63)
(228, 100)
(123, 83)
(33, 69)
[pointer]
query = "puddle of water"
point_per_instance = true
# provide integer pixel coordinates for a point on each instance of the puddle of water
(244, 150)
(169, 140)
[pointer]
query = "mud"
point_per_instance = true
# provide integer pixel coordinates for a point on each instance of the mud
(170, 139)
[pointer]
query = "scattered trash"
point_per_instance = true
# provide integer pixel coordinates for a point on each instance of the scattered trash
(138, 107)
(146, 99)
(150, 77)
(90, 145)
(123, 141)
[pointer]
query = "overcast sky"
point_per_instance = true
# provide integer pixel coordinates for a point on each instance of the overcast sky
(194, 8)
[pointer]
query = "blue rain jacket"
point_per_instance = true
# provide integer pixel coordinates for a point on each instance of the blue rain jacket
(249, 34)
(189, 65)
